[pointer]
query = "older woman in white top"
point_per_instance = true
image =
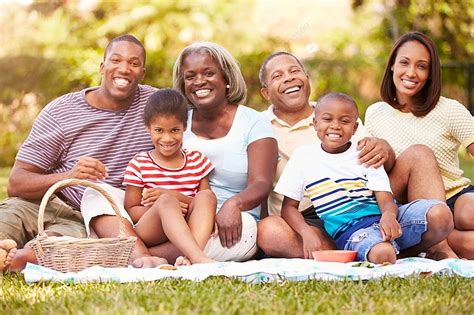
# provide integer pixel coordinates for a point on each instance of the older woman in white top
(238, 140)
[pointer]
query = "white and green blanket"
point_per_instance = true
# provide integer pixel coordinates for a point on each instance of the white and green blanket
(258, 271)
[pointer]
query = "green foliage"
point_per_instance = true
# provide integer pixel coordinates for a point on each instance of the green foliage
(449, 23)
(53, 47)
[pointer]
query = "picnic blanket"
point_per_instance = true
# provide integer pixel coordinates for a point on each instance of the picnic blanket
(259, 271)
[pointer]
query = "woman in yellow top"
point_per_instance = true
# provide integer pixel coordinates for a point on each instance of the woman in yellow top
(414, 113)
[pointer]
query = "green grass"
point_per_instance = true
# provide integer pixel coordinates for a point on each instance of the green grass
(219, 295)
(436, 294)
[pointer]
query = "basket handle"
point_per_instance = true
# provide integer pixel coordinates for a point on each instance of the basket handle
(80, 182)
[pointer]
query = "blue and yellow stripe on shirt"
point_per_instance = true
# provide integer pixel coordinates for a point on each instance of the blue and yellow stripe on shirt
(341, 203)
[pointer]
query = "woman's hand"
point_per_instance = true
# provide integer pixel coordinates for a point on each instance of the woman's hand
(374, 152)
(229, 223)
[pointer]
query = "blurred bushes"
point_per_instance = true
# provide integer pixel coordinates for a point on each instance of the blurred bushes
(51, 48)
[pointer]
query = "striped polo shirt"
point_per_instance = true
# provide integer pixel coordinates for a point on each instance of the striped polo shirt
(144, 171)
(69, 128)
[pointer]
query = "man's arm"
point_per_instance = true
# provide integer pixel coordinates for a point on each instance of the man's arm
(30, 182)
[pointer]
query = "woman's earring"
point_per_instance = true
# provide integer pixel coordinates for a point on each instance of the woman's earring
(227, 86)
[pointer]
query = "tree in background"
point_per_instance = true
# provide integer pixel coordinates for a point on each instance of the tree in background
(450, 23)
(52, 48)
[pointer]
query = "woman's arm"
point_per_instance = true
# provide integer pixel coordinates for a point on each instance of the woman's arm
(262, 159)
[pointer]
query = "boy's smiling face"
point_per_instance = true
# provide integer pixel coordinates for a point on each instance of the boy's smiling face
(335, 122)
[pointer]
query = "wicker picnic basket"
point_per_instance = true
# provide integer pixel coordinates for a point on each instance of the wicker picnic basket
(72, 255)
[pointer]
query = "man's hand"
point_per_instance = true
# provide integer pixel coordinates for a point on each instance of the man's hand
(389, 226)
(311, 242)
(88, 168)
(373, 151)
(229, 223)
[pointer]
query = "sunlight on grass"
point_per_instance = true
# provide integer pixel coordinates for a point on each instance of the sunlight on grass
(219, 295)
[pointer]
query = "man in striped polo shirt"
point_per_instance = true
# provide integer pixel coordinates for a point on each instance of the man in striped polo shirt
(90, 134)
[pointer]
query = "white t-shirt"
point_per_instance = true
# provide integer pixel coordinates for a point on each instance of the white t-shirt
(229, 153)
(289, 139)
(340, 189)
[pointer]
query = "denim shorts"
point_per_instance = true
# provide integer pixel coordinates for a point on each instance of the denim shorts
(412, 219)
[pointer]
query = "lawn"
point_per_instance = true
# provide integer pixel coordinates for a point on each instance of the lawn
(435, 294)
(224, 296)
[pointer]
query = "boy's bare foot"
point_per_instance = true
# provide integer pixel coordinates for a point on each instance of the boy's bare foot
(440, 251)
(7, 252)
(149, 262)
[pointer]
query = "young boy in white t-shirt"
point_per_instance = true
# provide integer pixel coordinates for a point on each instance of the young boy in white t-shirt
(354, 202)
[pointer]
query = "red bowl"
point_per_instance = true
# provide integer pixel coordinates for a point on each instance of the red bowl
(335, 255)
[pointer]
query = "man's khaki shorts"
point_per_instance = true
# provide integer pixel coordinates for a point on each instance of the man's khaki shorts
(19, 219)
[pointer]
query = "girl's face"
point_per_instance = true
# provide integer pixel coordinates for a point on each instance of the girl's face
(411, 70)
(167, 136)
(204, 84)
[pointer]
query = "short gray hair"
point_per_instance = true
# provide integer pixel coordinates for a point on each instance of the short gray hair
(237, 92)
(262, 73)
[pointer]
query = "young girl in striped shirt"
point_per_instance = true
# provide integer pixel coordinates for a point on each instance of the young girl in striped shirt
(167, 190)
